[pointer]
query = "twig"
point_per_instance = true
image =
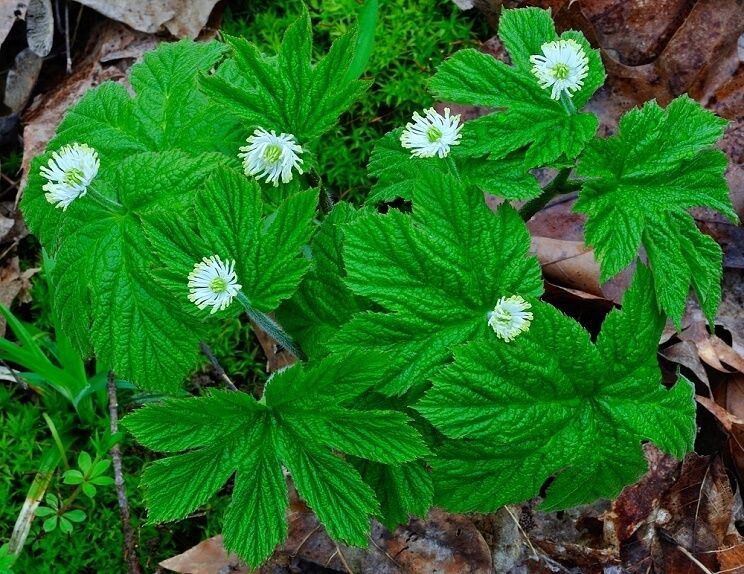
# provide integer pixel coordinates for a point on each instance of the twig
(559, 186)
(343, 560)
(13, 374)
(304, 540)
(217, 367)
(381, 549)
(519, 527)
(697, 508)
(67, 37)
(130, 554)
(694, 560)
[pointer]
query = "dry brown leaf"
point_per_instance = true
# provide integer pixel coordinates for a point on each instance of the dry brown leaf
(10, 12)
(569, 263)
(685, 353)
(14, 284)
(638, 503)
(697, 347)
(635, 32)
(731, 559)
(728, 420)
(207, 557)
(40, 27)
(45, 113)
(688, 524)
(21, 79)
(182, 18)
(442, 542)
(733, 401)
(276, 357)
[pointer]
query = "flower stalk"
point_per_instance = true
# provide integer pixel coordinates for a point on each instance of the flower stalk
(559, 186)
(270, 327)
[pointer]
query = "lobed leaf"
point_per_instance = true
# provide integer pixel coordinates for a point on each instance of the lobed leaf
(641, 182)
(551, 404)
(302, 431)
(528, 119)
(435, 275)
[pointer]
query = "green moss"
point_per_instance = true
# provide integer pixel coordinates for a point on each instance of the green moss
(411, 39)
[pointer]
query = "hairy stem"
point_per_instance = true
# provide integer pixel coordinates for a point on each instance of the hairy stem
(568, 104)
(559, 186)
(103, 201)
(453, 167)
(130, 553)
(271, 327)
(217, 367)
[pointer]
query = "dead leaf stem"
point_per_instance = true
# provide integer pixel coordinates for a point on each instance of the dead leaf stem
(130, 552)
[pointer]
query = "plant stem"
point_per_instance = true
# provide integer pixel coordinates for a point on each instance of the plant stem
(217, 367)
(103, 201)
(130, 553)
(568, 104)
(559, 186)
(57, 439)
(271, 327)
(453, 166)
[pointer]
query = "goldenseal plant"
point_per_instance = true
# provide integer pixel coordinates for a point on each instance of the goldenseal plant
(429, 370)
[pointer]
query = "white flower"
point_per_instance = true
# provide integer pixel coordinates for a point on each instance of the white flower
(213, 282)
(563, 65)
(271, 155)
(432, 134)
(510, 317)
(69, 173)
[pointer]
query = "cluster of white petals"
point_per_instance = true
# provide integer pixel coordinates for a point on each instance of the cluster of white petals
(562, 66)
(213, 282)
(510, 317)
(431, 134)
(271, 156)
(69, 172)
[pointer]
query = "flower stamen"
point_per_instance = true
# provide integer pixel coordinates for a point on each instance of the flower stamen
(271, 156)
(69, 172)
(431, 134)
(562, 66)
(510, 317)
(213, 282)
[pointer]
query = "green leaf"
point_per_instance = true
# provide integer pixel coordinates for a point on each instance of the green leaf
(43, 511)
(259, 498)
(403, 490)
(287, 93)
(307, 415)
(50, 524)
(52, 500)
(84, 462)
(155, 150)
(73, 476)
(435, 275)
(396, 171)
(354, 502)
(105, 286)
(641, 183)
(102, 481)
(551, 404)
(530, 119)
(100, 467)
(166, 113)
(89, 490)
(267, 250)
(65, 526)
(367, 22)
(74, 515)
(323, 302)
